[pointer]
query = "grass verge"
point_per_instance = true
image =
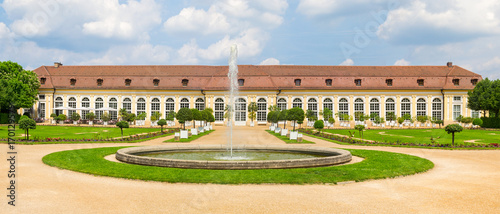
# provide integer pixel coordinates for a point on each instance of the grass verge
(187, 140)
(287, 140)
(90, 141)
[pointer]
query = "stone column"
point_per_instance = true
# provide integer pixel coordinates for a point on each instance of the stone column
(398, 106)
(429, 106)
(289, 103)
(465, 113)
(351, 109)
(133, 104)
(413, 105)
(382, 106)
(162, 106)
(320, 106)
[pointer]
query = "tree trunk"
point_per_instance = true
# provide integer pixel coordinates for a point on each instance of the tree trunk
(284, 125)
(27, 134)
(122, 132)
(453, 139)
(161, 128)
(194, 123)
(293, 125)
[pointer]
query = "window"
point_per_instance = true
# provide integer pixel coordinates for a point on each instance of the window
(141, 106)
(199, 104)
(282, 104)
(127, 104)
(343, 108)
(241, 82)
(437, 109)
(420, 82)
(390, 108)
(155, 105)
(185, 82)
(474, 114)
(456, 82)
(357, 82)
(312, 104)
(473, 81)
(99, 82)
(41, 96)
(72, 81)
(359, 108)
(261, 110)
(388, 82)
(71, 104)
(41, 110)
(99, 103)
(169, 106)
(405, 107)
(112, 104)
(128, 82)
(219, 109)
(421, 107)
(156, 82)
(184, 103)
(457, 111)
(457, 98)
(374, 108)
(328, 82)
(297, 102)
(85, 104)
(297, 82)
(240, 110)
(42, 80)
(327, 104)
(59, 103)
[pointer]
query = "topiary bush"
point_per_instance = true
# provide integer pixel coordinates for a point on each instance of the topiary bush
(477, 122)
(319, 125)
(490, 122)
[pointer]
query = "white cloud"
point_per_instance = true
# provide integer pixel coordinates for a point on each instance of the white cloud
(402, 62)
(339, 7)
(193, 20)
(270, 61)
(250, 43)
(347, 62)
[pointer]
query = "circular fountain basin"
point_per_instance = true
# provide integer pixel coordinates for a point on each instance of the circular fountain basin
(301, 156)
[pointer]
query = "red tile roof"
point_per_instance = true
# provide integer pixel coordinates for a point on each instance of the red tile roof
(257, 77)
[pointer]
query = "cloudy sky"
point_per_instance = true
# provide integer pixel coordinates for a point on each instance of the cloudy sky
(298, 32)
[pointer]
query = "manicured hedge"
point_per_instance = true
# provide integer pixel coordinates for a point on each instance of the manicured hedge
(4, 118)
(490, 122)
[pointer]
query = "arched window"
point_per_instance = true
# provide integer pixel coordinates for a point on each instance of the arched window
(405, 106)
(127, 104)
(85, 104)
(390, 109)
(99, 103)
(421, 107)
(240, 110)
(219, 109)
(199, 104)
(155, 106)
(297, 102)
(374, 108)
(169, 106)
(312, 104)
(282, 104)
(113, 115)
(437, 109)
(71, 104)
(327, 104)
(184, 103)
(141, 106)
(359, 108)
(59, 103)
(261, 110)
(343, 108)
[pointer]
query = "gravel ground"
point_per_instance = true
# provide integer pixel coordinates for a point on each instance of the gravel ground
(461, 182)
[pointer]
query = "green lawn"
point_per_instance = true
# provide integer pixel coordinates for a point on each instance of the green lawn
(377, 165)
(423, 135)
(287, 140)
(76, 132)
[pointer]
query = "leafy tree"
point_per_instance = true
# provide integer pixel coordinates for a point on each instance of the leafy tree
(273, 116)
(123, 113)
(155, 116)
(467, 120)
(326, 113)
(295, 114)
(360, 128)
(170, 116)
(196, 116)
(61, 117)
(122, 124)
(161, 123)
(485, 97)
(310, 115)
(273, 108)
(105, 117)
(142, 116)
(252, 110)
(131, 117)
(210, 118)
(228, 113)
(331, 120)
(319, 125)
(477, 122)
(18, 87)
(183, 115)
(54, 117)
(91, 117)
(391, 116)
(422, 119)
(26, 124)
(459, 118)
(452, 128)
(282, 116)
(75, 116)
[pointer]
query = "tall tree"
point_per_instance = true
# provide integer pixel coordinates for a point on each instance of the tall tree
(18, 87)
(485, 97)
(295, 115)
(183, 115)
(252, 109)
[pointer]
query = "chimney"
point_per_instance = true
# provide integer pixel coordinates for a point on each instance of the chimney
(449, 64)
(57, 64)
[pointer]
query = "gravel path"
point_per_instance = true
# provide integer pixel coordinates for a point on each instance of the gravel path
(461, 182)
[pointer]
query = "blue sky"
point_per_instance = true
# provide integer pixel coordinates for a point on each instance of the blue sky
(299, 32)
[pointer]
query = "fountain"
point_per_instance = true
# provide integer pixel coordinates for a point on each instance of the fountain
(233, 91)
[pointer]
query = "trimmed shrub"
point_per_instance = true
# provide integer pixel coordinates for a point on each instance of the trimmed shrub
(477, 122)
(490, 122)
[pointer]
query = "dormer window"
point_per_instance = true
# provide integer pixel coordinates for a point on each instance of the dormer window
(42, 80)
(357, 82)
(127, 82)
(99, 82)
(328, 82)
(185, 82)
(241, 82)
(388, 82)
(456, 82)
(72, 81)
(473, 81)
(297, 82)
(156, 82)
(420, 82)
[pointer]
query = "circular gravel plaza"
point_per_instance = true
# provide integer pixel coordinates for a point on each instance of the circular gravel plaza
(464, 181)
